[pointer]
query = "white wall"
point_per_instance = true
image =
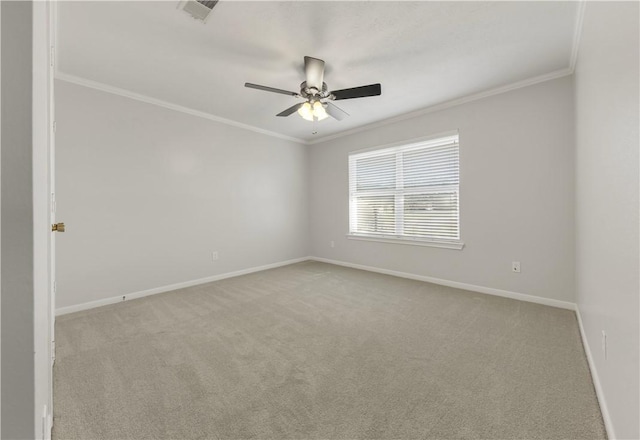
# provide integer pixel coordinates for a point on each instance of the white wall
(516, 194)
(18, 404)
(607, 222)
(147, 193)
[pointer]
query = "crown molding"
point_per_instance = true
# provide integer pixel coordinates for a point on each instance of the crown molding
(437, 107)
(577, 33)
(179, 108)
(434, 108)
(575, 46)
(448, 104)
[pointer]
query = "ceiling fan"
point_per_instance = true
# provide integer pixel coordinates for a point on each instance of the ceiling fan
(317, 103)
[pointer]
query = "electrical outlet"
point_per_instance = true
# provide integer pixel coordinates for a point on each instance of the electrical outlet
(214, 256)
(332, 243)
(604, 344)
(515, 266)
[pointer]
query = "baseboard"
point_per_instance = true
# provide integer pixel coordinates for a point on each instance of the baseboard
(474, 288)
(129, 296)
(596, 379)
(456, 284)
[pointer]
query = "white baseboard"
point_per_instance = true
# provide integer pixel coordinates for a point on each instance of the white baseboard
(129, 296)
(456, 284)
(596, 380)
(182, 285)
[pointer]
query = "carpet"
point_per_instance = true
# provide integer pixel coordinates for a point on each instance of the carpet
(312, 351)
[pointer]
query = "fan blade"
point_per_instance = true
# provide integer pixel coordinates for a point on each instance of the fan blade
(336, 112)
(270, 89)
(314, 70)
(358, 92)
(290, 110)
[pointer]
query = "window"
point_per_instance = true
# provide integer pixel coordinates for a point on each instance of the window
(407, 193)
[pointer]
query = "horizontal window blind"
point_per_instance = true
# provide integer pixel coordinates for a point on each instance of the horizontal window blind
(408, 192)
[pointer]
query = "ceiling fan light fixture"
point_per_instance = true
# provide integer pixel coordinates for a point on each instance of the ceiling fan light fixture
(314, 90)
(306, 111)
(319, 111)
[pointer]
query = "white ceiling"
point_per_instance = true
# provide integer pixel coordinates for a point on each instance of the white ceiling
(423, 53)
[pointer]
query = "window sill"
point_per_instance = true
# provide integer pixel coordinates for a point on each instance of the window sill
(453, 244)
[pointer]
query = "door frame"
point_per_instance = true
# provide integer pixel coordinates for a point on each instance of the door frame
(43, 300)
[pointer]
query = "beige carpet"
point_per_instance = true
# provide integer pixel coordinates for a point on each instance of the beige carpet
(314, 350)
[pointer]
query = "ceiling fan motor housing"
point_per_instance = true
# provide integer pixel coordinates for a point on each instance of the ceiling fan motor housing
(311, 93)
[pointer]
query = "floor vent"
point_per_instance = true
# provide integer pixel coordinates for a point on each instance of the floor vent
(198, 9)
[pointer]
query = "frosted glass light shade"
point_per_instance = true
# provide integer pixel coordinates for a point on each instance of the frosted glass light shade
(319, 111)
(306, 112)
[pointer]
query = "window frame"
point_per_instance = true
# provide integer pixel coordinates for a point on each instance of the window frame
(395, 148)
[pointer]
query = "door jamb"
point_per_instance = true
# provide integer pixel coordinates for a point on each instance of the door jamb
(41, 100)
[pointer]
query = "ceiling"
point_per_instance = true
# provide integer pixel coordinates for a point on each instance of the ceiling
(423, 53)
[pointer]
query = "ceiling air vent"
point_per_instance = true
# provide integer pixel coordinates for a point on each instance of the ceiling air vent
(198, 9)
